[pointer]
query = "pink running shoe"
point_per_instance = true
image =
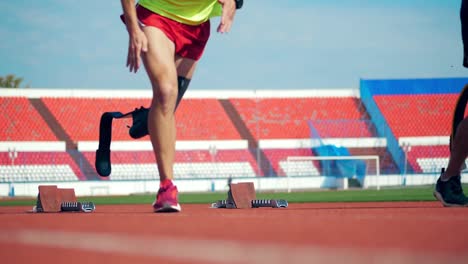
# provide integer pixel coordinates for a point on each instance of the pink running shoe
(167, 200)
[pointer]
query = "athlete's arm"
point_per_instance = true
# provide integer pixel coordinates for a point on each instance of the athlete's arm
(227, 18)
(137, 39)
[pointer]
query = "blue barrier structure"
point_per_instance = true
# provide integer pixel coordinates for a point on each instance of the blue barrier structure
(337, 168)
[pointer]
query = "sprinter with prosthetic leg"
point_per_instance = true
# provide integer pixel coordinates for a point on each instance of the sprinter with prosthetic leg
(169, 36)
(138, 129)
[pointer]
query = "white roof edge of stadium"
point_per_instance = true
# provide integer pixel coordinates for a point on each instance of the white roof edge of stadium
(147, 93)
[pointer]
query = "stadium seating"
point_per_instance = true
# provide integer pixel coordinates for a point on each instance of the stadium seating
(38, 166)
(197, 119)
(277, 118)
(204, 119)
(21, 122)
(428, 159)
(231, 118)
(418, 115)
(80, 117)
(278, 159)
(130, 165)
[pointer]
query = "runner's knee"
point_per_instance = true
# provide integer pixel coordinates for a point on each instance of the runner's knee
(165, 97)
(183, 84)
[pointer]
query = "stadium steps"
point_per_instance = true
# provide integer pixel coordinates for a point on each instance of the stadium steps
(265, 164)
(62, 135)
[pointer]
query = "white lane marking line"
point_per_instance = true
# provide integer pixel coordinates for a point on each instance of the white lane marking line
(218, 251)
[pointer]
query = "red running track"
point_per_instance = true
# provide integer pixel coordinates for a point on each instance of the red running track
(409, 232)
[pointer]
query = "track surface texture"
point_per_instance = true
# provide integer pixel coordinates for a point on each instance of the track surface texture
(408, 232)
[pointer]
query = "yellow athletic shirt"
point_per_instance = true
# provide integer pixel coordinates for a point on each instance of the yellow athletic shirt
(189, 12)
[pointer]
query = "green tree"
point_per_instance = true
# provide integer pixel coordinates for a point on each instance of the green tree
(11, 81)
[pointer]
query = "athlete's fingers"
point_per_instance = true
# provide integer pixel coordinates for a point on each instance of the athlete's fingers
(131, 58)
(138, 43)
(136, 58)
(128, 55)
(227, 26)
(227, 16)
(220, 28)
(131, 55)
(221, 24)
(224, 26)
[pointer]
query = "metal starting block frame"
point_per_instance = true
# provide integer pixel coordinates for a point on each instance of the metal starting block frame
(242, 196)
(53, 200)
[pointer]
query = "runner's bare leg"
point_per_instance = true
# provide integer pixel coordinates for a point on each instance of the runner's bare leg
(185, 67)
(162, 72)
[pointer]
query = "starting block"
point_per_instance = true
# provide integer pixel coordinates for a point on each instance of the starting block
(242, 196)
(53, 200)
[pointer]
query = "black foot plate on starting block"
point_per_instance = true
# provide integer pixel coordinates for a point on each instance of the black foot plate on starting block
(242, 196)
(254, 203)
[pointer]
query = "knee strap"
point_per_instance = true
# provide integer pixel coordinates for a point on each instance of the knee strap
(138, 129)
(182, 85)
(139, 126)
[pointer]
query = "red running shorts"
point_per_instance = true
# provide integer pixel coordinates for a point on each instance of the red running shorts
(189, 41)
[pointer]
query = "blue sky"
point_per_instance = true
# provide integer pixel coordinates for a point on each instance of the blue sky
(294, 44)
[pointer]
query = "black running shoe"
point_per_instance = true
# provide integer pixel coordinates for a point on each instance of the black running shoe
(450, 193)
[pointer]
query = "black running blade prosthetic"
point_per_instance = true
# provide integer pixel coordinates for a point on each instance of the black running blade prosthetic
(138, 129)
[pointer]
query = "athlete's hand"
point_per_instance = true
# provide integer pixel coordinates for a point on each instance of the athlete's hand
(227, 18)
(137, 43)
